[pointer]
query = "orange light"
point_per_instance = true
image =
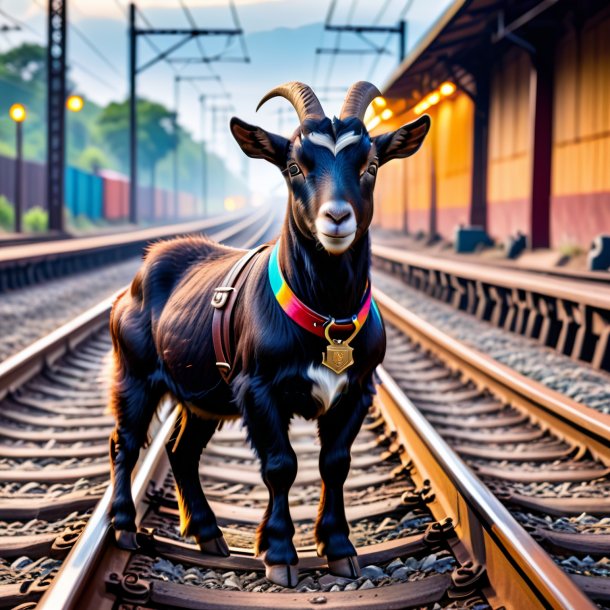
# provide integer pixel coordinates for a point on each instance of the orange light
(17, 113)
(447, 88)
(434, 98)
(373, 123)
(418, 109)
(368, 115)
(386, 114)
(380, 102)
(425, 105)
(75, 103)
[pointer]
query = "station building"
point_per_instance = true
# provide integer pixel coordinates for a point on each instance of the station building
(519, 96)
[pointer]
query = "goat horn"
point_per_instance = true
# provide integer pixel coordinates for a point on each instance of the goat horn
(301, 97)
(357, 100)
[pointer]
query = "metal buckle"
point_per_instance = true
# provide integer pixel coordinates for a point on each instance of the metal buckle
(221, 295)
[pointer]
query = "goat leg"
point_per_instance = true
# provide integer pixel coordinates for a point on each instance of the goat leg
(191, 434)
(268, 432)
(338, 429)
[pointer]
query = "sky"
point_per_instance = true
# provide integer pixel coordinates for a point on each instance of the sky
(281, 37)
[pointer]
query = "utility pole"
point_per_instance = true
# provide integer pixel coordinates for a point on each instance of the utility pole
(185, 35)
(56, 111)
(133, 120)
(177, 80)
(204, 155)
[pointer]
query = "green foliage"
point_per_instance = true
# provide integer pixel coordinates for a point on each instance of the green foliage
(27, 61)
(82, 223)
(156, 136)
(98, 138)
(7, 214)
(92, 159)
(36, 220)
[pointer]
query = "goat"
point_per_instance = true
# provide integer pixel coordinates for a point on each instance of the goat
(161, 331)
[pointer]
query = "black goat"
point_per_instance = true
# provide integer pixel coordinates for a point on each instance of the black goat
(162, 333)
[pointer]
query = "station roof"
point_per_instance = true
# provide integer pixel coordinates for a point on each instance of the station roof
(463, 38)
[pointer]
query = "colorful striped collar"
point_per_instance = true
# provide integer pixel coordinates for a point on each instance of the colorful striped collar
(306, 317)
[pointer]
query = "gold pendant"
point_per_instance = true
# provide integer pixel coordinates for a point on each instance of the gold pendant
(339, 355)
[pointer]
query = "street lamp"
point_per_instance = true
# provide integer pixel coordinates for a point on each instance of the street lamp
(75, 103)
(18, 113)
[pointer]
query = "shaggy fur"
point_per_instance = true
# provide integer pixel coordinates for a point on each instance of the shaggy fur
(161, 333)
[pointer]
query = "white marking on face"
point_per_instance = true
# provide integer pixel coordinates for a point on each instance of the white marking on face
(326, 384)
(323, 139)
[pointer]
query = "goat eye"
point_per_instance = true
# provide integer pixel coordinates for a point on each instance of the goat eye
(372, 169)
(294, 169)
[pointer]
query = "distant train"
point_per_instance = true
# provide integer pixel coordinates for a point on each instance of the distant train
(106, 195)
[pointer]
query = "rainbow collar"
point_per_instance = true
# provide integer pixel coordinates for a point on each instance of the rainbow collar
(306, 317)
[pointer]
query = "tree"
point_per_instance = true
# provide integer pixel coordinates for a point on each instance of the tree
(156, 137)
(27, 61)
(92, 159)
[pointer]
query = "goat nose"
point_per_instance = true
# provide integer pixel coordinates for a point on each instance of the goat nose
(338, 215)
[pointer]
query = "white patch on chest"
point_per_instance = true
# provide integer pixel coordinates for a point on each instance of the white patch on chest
(326, 385)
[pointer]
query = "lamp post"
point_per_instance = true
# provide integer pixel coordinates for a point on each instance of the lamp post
(18, 114)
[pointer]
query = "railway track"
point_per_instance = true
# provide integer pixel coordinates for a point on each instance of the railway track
(544, 456)
(28, 264)
(568, 314)
(430, 533)
(53, 439)
(33, 310)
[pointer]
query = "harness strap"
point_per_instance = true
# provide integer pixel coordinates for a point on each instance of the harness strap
(223, 301)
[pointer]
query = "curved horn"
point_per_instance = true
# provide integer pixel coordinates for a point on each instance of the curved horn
(301, 97)
(358, 98)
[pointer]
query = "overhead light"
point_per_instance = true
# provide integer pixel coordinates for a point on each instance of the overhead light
(75, 103)
(447, 88)
(17, 113)
(373, 123)
(386, 114)
(434, 98)
(368, 115)
(380, 102)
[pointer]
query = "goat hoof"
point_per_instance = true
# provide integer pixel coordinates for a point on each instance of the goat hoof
(126, 540)
(282, 574)
(347, 567)
(216, 546)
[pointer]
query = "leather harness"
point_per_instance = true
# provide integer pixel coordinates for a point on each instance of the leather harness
(223, 301)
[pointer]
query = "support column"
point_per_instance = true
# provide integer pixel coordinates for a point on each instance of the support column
(133, 127)
(478, 205)
(56, 112)
(541, 117)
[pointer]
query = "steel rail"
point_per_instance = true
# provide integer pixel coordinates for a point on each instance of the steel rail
(20, 255)
(17, 369)
(579, 291)
(81, 562)
(569, 315)
(518, 569)
(582, 425)
(25, 265)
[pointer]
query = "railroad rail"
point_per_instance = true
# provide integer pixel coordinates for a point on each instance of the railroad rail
(53, 439)
(569, 315)
(492, 555)
(25, 265)
(438, 535)
(545, 456)
(446, 498)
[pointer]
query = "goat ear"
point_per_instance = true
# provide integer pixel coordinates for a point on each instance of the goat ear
(260, 144)
(403, 142)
